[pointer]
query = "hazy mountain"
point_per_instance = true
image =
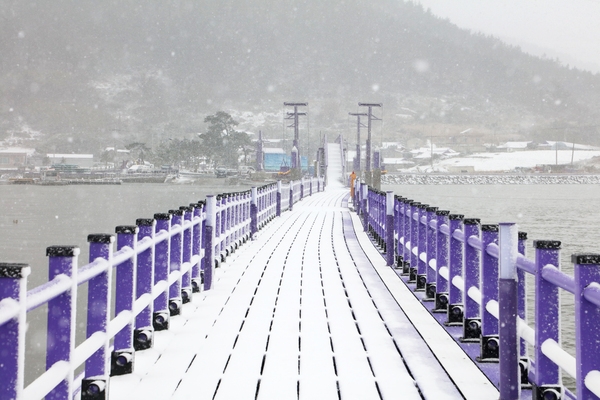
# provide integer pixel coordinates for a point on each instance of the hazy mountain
(92, 73)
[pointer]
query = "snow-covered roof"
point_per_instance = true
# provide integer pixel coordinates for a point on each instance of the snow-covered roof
(514, 145)
(55, 155)
(273, 150)
(19, 150)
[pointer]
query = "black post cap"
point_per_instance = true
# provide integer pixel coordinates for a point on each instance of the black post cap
(522, 235)
(104, 238)
(179, 213)
(144, 221)
(62, 251)
(471, 221)
(456, 217)
(127, 229)
(431, 209)
(423, 206)
(162, 216)
(442, 212)
(585, 258)
(547, 244)
(12, 270)
(186, 208)
(489, 228)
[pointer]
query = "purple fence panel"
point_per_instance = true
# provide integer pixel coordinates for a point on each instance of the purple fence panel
(99, 291)
(547, 374)
(13, 285)
(209, 241)
(160, 318)
(186, 255)
(61, 317)
(389, 226)
(441, 261)
(144, 331)
(421, 256)
(471, 276)
(587, 324)
(455, 296)
(489, 292)
(125, 280)
(175, 257)
(431, 252)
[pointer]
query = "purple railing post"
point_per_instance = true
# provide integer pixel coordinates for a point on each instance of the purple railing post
(301, 188)
(455, 304)
(209, 241)
(507, 288)
(547, 320)
(421, 264)
(254, 213)
(175, 255)
(60, 342)
(291, 195)
(365, 206)
(197, 247)
(311, 185)
(489, 291)
(587, 322)
(121, 359)
(186, 255)
(389, 227)
(98, 306)
(405, 229)
(143, 335)
(471, 275)
(430, 273)
(522, 308)
(13, 285)
(160, 317)
(441, 261)
(414, 240)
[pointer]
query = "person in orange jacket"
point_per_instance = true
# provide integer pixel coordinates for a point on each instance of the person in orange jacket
(352, 179)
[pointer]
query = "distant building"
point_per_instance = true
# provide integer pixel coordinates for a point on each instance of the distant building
(81, 160)
(14, 157)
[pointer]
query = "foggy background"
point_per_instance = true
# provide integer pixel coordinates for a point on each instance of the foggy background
(82, 75)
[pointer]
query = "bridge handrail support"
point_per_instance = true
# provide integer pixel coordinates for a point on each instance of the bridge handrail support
(477, 245)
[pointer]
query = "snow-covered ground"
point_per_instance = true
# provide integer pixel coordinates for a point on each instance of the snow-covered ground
(488, 162)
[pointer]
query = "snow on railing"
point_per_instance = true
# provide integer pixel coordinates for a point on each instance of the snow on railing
(455, 262)
(159, 263)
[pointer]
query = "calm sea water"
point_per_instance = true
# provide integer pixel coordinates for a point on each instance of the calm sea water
(34, 217)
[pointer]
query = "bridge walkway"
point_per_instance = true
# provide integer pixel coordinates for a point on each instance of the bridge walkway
(307, 310)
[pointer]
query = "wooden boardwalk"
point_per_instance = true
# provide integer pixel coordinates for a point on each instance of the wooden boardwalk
(308, 310)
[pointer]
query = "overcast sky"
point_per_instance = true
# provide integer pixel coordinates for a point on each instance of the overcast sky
(567, 29)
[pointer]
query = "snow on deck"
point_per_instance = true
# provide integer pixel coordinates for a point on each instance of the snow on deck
(302, 312)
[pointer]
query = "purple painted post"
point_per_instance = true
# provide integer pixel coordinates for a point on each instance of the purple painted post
(175, 257)
(398, 230)
(547, 320)
(414, 240)
(197, 247)
(441, 261)
(98, 306)
(431, 245)
(186, 256)
(301, 188)
(121, 360)
(421, 264)
(144, 332)
(405, 229)
(510, 379)
(291, 203)
(311, 185)
(60, 342)
(489, 291)
(456, 306)
(471, 275)
(389, 226)
(587, 321)
(160, 318)
(209, 241)
(254, 213)
(13, 285)
(522, 306)
(365, 206)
